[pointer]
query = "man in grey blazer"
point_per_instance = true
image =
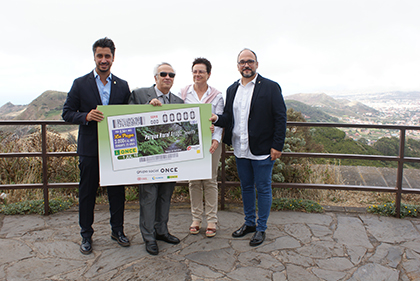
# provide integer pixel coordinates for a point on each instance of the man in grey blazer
(155, 198)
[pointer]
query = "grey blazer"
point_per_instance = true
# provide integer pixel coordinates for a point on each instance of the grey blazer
(145, 95)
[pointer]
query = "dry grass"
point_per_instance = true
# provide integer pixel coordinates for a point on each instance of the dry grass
(28, 170)
(65, 169)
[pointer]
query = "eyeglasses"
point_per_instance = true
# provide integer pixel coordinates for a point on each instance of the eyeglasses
(243, 62)
(199, 72)
(163, 74)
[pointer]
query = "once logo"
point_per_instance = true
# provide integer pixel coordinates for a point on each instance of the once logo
(169, 170)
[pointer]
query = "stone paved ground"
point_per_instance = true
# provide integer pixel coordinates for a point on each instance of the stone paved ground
(299, 246)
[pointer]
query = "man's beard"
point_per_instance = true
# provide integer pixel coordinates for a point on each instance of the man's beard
(252, 73)
(103, 70)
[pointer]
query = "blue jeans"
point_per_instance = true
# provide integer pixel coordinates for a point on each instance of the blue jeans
(256, 174)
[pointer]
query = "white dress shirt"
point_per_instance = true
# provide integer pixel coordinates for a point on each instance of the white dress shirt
(217, 106)
(241, 108)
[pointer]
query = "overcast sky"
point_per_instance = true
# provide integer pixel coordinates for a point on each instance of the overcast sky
(307, 46)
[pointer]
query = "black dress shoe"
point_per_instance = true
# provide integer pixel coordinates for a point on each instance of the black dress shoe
(120, 238)
(86, 246)
(257, 238)
(152, 248)
(243, 230)
(169, 238)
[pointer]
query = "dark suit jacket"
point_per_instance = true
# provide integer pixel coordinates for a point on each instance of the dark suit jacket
(145, 95)
(82, 98)
(267, 117)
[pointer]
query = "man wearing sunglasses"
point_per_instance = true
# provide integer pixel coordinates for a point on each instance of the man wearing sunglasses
(155, 198)
(254, 119)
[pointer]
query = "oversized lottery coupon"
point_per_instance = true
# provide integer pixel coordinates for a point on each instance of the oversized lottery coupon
(145, 139)
(140, 144)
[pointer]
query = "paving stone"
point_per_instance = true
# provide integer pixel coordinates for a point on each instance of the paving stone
(412, 269)
(75, 274)
(62, 219)
(388, 255)
(109, 275)
(40, 269)
(317, 250)
(12, 250)
(60, 249)
(203, 271)
(354, 226)
(107, 261)
(413, 245)
(250, 274)
(242, 245)
(334, 263)
(288, 217)
(38, 235)
(279, 276)
(253, 259)
(220, 259)
(356, 253)
(299, 246)
(299, 231)
(2, 272)
(285, 242)
(320, 230)
(298, 273)
(390, 230)
(328, 275)
(203, 245)
(153, 268)
(292, 257)
(68, 233)
(18, 225)
(373, 271)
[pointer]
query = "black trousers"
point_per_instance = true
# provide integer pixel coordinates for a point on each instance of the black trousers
(89, 183)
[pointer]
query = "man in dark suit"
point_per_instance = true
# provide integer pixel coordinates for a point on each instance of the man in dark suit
(155, 198)
(99, 87)
(254, 119)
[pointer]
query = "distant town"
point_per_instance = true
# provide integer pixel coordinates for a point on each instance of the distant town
(390, 112)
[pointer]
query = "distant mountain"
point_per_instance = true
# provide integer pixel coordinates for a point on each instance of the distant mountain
(9, 111)
(334, 107)
(311, 114)
(47, 106)
(397, 95)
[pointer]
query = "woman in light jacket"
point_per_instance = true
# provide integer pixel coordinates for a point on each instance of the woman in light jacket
(201, 92)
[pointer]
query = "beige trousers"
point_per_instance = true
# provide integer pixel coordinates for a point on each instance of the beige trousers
(210, 192)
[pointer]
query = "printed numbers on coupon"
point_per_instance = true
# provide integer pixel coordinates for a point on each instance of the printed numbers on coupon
(154, 121)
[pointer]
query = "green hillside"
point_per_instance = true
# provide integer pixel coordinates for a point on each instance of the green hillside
(311, 114)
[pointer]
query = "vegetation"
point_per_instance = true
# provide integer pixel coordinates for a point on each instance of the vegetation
(288, 169)
(335, 141)
(35, 207)
(389, 209)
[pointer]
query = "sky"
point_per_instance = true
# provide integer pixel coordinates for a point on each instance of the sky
(307, 46)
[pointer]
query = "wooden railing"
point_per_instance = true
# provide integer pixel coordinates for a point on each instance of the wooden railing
(223, 184)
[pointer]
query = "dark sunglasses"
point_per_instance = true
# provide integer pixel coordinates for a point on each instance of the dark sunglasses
(163, 74)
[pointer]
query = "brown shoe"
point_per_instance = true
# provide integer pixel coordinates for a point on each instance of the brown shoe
(210, 232)
(195, 229)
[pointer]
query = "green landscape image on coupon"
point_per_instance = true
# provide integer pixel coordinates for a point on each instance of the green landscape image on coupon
(167, 138)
